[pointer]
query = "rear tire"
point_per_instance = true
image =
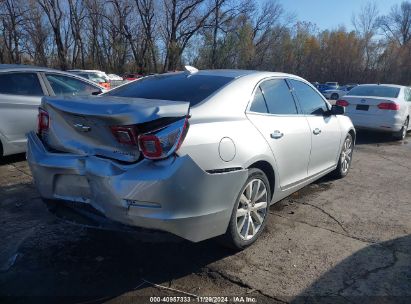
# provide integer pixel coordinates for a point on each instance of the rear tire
(334, 96)
(401, 134)
(344, 162)
(249, 215)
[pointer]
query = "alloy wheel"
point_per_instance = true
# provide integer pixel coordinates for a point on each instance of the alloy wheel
(252, 209)
(404, 129)
(346, 155)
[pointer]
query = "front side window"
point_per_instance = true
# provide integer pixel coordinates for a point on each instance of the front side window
(69, 86)
(311, 102)
(20, 84)
(278, 97)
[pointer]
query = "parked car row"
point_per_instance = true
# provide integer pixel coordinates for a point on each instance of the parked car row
(107, 81)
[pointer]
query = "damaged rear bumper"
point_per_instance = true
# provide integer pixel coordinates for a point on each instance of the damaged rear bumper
(174, 195)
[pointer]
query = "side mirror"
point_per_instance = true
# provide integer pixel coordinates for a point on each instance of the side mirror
(337, 110)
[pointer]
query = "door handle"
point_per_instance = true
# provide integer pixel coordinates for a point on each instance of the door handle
(276, 134)
(316, 131)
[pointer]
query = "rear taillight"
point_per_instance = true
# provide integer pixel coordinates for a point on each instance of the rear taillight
(389, 106)
(150, 146)
(342, 103)
(43, 121)
(163, 143)
(125, 134)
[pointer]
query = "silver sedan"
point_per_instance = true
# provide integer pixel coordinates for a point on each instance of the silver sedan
(199, 154)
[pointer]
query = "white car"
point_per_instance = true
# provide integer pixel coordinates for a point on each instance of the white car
(337, 93)
(21, 89)
(380, 107)
(114, 77)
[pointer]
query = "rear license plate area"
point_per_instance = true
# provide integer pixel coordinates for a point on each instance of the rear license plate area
(72, 187)
(362, 107)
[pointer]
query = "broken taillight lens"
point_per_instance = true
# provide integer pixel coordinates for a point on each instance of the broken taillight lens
(125, 134)
(164, 142)
(43, 121)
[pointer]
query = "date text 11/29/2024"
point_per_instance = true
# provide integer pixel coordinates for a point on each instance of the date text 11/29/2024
(203, 299)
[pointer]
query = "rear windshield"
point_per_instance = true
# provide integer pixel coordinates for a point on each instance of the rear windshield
(175, 87)
(375, 90)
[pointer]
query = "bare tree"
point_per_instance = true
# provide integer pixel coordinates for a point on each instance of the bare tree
(146, 12)
(37, 34)
(77, 19)
(95, 21)
(397, 24)
(12, 19)
(182, 20)
(366, 26)
(55, 15)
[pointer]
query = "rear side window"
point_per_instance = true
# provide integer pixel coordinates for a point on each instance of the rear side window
(278, 97)
(20, 84)
(175, 87)
(69, 86)
(376, 91)
(311, 102)
(259, 104)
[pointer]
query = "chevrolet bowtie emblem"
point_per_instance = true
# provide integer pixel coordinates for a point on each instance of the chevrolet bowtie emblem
(82, 128)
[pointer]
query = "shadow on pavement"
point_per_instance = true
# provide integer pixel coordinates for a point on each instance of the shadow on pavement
(4, 160)
(57, 259)
(369, 137)
(379, 273)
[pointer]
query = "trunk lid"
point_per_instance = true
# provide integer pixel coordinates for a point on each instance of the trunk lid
(82, 125)
(367, 105)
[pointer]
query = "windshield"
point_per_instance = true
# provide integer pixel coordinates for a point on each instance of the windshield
(375, 90)
(175, 87)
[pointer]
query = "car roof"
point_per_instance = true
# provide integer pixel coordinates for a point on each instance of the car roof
(233, 73)
(382, 84)
(25, 67)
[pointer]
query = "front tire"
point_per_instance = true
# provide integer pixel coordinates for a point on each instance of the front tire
(344, 162)
(250, 212)
(400, 135)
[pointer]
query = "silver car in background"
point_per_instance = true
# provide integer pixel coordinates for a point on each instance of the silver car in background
(198, 154)
(21, 90)
(379, 107)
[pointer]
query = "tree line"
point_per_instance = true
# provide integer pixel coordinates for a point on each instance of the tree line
(154, 36)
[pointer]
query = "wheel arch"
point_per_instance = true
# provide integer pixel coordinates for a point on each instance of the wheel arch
(268, 170)
(353, 134)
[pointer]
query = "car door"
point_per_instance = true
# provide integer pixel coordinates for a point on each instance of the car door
(274, 113)
(325, 128)
(20, 97)
(62, 85)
